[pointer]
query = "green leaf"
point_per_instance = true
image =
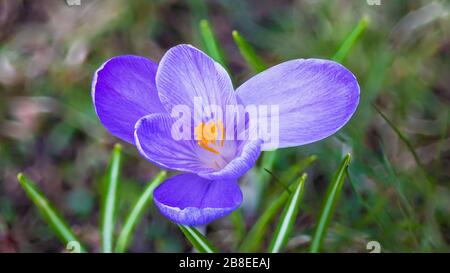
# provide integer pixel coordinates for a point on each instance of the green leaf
(210, 42)
(109, 200)
(136, 213)
(197, 239)
(252, 242)
(329, 205)
(48, 212)
(254, 238)
(247, 51)
(287, 218)
(351, 39)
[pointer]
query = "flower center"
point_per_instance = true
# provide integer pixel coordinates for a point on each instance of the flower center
(210, 136)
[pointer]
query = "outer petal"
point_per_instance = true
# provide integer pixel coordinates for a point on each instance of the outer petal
(185, 73)
(191, 200)
(124, 90)
(154, 140)
(315, 98)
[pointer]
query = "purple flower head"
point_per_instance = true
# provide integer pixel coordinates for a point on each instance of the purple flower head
(177, 115)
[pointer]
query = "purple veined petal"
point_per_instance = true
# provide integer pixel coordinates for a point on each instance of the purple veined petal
(315, 98)
(191, 200)
(237, 167)
(186, 73)
(124, 90)
(154, 140)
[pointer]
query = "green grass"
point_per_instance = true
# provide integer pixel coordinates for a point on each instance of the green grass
(109, 200)
(287, 218)
(197, 240)
(59, 226)
(329, 205)
(144, 201)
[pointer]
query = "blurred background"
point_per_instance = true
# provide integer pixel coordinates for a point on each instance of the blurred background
(49, 51)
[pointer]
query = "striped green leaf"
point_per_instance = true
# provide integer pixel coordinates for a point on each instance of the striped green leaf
(252, 242)
(197, 239)
(109, 200)
(351, 39)
(247, 51)
(210, 43)
(136, 213)
(329, 204)
(287, 218)
(48, 212)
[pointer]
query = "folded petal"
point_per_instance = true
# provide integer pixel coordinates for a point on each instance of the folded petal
(315, 99)
(157, 142)
(186, 73)
(237, 167)
(123, 91)
(191, 200)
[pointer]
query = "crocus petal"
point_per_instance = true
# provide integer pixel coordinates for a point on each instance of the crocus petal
(191, 200)
(154, 140)
(239, 165)
(186, 73)
(123, 91)
(315, 98)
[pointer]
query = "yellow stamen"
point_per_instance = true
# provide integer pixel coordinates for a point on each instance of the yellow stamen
(206, 147)
(207, 134)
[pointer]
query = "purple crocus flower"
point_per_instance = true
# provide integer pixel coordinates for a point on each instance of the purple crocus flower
(134, 98)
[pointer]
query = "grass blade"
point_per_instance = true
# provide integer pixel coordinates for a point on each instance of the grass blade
(247, 51)
(348, 43)
(135, 215)
(254, 238)
(109, 200)
(197, 239)
(252, 242)
(288, 217)
(210, 42)
(50, 214)
(329, 204)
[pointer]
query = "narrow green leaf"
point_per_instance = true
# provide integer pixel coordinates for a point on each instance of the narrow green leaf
(287, 218)
(351, 39)
(252, 242)
(247, 51)
(109, 200)
(48, 212)
(329, 204)
(210, 42)
(197, 239)
(254, 238)
(136, 213)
